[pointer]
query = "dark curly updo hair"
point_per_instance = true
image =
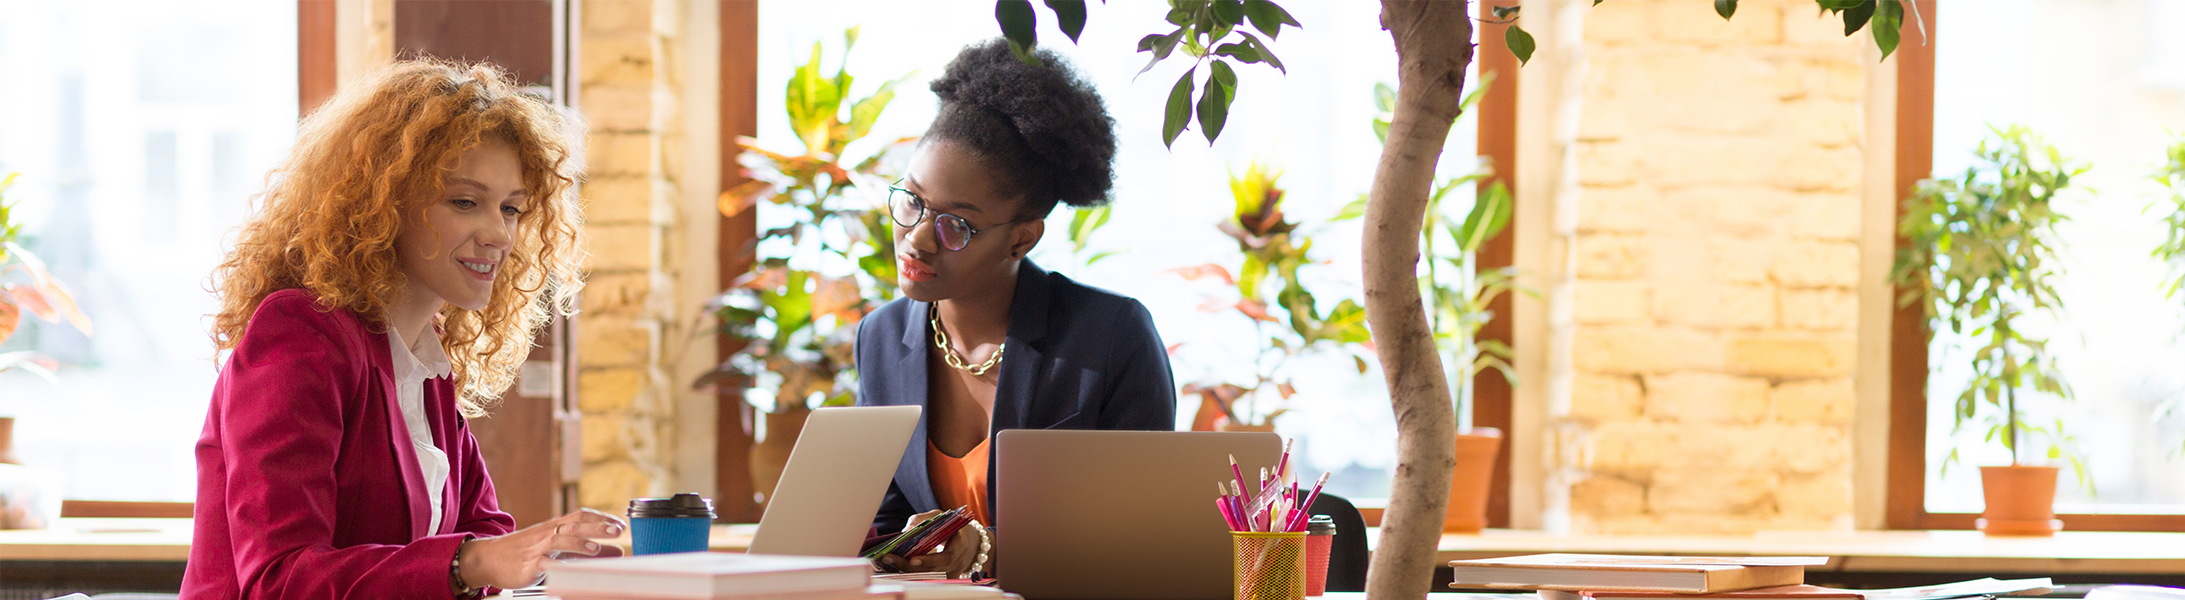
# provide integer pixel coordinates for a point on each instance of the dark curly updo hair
(1041, 129)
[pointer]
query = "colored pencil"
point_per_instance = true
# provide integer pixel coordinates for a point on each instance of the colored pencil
(1236, 471)
(1309, 501)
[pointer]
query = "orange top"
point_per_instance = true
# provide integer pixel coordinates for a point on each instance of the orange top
(959, 481)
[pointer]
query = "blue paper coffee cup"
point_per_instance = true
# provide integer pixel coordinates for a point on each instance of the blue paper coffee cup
(665, 525)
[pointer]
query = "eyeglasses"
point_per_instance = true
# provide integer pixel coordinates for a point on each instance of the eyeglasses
(954, 232)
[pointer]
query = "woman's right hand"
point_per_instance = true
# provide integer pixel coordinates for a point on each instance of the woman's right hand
(519, 559)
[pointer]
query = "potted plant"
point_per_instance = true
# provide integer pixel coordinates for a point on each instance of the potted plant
(26, 284)
(1457, 296)
(2172, 249)
(1977, 259)
(819, 269)
(1267, 284)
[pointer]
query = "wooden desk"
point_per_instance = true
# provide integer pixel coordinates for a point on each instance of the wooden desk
(1872, 558)
(2070, 552)
(94, 555)
(1881, 558)
(74, 539)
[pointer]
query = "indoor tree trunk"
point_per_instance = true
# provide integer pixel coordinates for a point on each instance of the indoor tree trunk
(1433, 46)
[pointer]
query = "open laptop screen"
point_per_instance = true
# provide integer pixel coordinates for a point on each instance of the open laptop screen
(834, 481)
(1120, 515)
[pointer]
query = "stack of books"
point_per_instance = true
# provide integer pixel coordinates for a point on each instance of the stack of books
(716, 576)
(1606, 577)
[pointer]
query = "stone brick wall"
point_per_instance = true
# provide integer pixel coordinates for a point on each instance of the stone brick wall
(628, 91)
(1714, 264)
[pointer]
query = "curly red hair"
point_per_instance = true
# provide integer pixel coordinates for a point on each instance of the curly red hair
(329, 216)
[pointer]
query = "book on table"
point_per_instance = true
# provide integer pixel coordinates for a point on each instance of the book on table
(711, 576)
(876, 592)
(1598, 572)
(1782, 592)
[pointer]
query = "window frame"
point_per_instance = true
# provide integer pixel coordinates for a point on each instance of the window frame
(1909, 335)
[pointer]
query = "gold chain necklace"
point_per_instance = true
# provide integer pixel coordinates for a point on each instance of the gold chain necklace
(948, 352)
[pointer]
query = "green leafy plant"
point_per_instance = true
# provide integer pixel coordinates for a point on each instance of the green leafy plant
(1211, 32)
(1085, 222)
(1203, 29)
(2172, 249)
(1457, 292)
(1079, 251)
(1886, 16)
(1267, 284)
(1977, 260)
(43, 295)
(795, 316)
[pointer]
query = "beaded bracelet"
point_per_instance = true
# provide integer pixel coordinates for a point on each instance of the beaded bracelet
(455, 574)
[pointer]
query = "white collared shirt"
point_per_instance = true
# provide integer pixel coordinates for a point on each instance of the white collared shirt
(413, 364)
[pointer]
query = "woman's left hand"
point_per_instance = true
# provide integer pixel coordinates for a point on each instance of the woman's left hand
(957, 558)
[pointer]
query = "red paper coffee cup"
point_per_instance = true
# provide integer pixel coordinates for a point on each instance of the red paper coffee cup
(1319, 538)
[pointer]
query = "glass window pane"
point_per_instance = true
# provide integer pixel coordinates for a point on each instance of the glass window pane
(2105, 88)
(140, 129)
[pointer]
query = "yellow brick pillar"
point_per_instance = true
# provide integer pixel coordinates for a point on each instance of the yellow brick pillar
(629, 98)
(1715, 197)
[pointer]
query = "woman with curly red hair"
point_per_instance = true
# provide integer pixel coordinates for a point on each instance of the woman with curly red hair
(387, 287)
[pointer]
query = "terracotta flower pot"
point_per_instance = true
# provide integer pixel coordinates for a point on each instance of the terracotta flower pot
(1224, 424)
(1475, 470)
(2021, 500)
(771, 454)
(7, 441)
(1209, 416)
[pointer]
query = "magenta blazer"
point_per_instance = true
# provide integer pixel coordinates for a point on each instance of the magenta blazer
(307, 485)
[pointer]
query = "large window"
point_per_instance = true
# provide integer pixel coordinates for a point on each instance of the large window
(2105, 84)
(141, 129)
(1314, 123)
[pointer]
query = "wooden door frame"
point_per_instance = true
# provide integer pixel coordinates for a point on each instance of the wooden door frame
(734, 499)
(1493, 398)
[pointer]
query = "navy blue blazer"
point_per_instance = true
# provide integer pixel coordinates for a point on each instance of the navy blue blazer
(1075, 357)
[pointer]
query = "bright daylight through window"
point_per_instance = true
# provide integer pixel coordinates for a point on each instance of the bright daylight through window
(1315, 124)
(140, 129)
(2107, 89)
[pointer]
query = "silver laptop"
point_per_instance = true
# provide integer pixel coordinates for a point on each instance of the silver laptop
(1117, 515)
(834, 481)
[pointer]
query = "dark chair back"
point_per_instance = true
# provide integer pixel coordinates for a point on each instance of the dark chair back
(1347, 557)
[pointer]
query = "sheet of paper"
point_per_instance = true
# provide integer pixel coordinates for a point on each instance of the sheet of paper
(1612, 559)
(1977, 587)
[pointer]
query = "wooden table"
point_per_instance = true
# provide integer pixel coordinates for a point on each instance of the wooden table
(95, 556)
(1882, 558)
(1864, 558)
(2070, 552)
(1868, 559)
(100, 540)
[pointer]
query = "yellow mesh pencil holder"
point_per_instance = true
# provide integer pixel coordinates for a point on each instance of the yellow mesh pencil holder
(1268, 565)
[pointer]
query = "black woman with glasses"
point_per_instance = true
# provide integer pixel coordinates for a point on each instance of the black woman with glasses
(984, 339)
